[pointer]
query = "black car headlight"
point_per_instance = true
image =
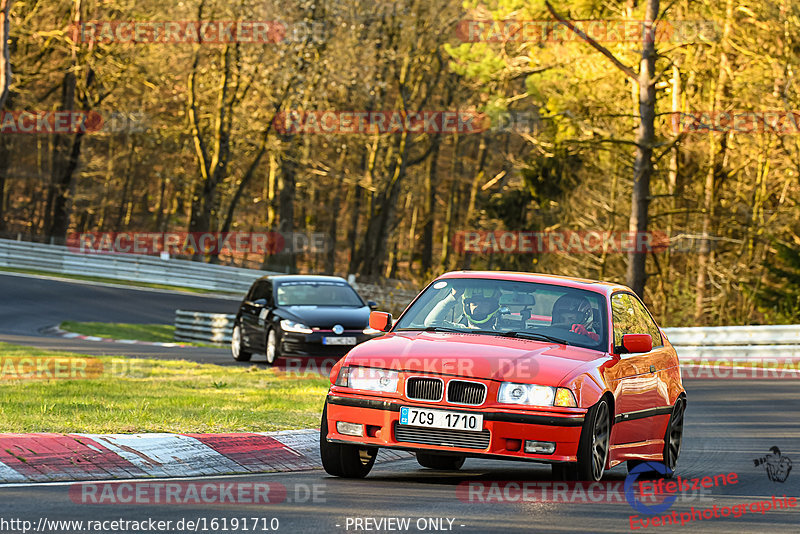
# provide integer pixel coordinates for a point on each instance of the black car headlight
(298, 328)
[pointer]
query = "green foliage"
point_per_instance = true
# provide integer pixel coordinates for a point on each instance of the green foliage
(778, 298)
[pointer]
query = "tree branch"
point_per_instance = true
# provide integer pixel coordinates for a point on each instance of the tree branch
(597, 46)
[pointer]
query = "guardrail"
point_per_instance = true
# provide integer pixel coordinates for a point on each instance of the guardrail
(203, 327)
(736, 343)
(692, 344)
(183, 273)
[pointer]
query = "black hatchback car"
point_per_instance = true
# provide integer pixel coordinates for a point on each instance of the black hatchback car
(300, 315)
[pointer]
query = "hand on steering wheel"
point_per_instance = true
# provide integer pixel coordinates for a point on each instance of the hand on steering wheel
(580, 329)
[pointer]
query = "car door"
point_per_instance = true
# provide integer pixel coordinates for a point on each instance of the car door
(254, 310)
(640, 394)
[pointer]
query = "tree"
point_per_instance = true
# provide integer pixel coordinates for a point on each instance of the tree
(5, 59)
(635, 276)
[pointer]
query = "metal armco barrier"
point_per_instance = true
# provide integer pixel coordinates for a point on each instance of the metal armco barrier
(739, 343)
(183, 273)
(203, 327)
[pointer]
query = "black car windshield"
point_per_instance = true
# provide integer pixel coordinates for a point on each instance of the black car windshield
(513, 309)
(317, 293)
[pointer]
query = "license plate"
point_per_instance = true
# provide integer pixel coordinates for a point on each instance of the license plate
(338, 340)
(441, 419)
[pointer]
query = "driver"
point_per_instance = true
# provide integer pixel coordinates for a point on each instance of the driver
(481, 309)
(574, 313)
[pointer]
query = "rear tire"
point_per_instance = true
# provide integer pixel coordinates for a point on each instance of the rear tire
(594, 442)
(341, 460)
(673, 439)
(238, 353)
(440, 461)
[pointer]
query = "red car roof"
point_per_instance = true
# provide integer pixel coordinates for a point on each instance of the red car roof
(564, 281)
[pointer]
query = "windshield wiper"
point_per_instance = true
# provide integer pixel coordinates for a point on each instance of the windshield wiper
(532, 335)
(432, 329)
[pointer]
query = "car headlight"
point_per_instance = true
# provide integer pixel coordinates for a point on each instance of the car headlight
(291, 326)
(533, 395)
(530, 394)
(368, 378)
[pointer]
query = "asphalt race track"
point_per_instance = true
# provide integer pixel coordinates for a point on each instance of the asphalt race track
(31, 304)
(730, 423)
(728, 426)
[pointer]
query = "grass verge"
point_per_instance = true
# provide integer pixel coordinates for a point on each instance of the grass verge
(128, 395)
(163, 333)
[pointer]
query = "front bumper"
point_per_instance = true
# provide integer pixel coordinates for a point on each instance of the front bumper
(506, 429)
(294, 344)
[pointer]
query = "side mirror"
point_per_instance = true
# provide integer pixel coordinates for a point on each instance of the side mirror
(635, 343)
(372, 305)
(380, 321)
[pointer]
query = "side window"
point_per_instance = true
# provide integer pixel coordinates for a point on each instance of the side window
(646, 322)
(262, 290)
(622, 316)
(631, 317)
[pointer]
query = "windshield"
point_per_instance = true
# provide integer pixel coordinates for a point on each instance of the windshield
(514, 309)
(315, 293)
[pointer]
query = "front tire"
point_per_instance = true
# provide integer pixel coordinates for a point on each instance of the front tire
(594, 442)
(341, 460)
(440, 461)
(272, 350)
(238, 353)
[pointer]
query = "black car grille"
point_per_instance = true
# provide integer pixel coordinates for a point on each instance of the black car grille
(471, 393)
(421, 388)
(442, 437)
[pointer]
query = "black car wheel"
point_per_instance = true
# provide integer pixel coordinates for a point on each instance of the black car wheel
(440, 461)
(594, 442)
(238, 352)
(674, 436)
(342, 460)
(272, 350)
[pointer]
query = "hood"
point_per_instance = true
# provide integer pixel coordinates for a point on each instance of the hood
(474, 356)
(325, 317)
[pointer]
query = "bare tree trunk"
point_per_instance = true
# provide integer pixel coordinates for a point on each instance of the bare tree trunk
(5, 55)
(672, 186)
(714, 162)
(635, 275)
(4, 164)
(430, 210)
(288, 166)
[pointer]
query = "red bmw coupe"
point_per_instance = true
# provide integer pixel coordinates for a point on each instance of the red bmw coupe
(570, 372)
